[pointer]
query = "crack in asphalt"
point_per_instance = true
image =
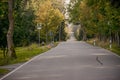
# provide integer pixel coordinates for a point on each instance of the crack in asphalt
(98, 60)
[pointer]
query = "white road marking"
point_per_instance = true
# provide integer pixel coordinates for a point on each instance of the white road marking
(18, 67)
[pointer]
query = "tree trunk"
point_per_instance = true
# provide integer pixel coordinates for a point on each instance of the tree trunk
(11, 50)
(84, 35)
(46, 29)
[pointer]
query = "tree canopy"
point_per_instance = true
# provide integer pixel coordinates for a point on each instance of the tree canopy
(26, 15)
(98, 19)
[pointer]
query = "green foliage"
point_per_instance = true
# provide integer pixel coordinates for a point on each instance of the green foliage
(60, 32)
(27, 13)
(3, 71)
(115, 3)
(98, 18)
(3, 23)
(24, 32)
(49, 14)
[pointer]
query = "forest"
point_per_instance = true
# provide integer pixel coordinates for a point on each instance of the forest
(19, 20)
(98, 20)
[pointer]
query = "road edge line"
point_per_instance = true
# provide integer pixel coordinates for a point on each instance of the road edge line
(18, 67)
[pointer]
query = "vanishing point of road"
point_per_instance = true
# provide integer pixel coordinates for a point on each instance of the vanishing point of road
(71, 60)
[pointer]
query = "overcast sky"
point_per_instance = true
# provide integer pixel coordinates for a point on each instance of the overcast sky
(67, 1)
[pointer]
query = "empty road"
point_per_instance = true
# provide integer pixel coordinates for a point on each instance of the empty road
(71, 60)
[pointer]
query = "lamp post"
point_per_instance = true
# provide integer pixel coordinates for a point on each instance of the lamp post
(39, 27)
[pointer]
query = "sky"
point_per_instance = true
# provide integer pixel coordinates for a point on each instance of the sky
(67, 1)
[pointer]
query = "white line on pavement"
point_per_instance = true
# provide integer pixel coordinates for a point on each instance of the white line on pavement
(18, 67)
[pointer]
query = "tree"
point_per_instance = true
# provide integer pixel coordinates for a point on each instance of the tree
(49, 14)
(25, 33)
(11, 50)
(94, 16)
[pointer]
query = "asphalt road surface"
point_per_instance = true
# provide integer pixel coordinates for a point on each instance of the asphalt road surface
(71, 60)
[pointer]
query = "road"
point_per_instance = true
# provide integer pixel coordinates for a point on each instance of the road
(71, 60)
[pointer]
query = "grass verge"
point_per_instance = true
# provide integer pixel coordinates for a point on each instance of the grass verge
(24, 54)
(115, 48)
(3, 72)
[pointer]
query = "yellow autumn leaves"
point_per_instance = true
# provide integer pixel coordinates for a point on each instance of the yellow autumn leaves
(46, 13)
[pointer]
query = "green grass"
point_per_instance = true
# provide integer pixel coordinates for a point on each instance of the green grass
(115, 48)
(24, 54)
(3, 71)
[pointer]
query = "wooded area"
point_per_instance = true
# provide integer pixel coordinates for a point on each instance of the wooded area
(99, 19)
(19, 19)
